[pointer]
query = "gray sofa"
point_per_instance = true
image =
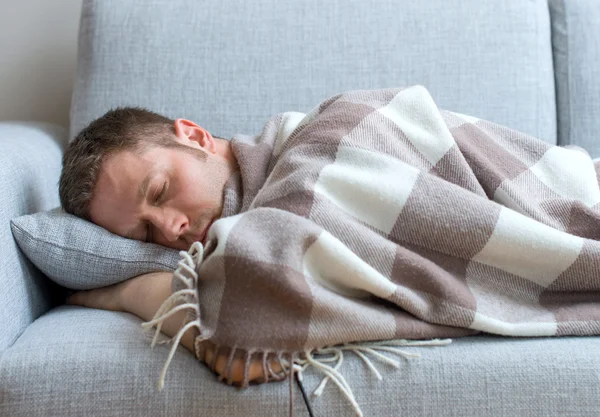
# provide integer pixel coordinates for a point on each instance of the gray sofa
(532, 65)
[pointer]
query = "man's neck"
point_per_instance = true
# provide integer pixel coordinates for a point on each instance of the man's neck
(224, 149)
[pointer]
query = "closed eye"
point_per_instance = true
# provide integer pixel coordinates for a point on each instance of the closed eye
(161, 194)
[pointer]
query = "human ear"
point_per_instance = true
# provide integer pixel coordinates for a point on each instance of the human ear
(190, 134)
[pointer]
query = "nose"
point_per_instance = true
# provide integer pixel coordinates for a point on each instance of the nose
(172, 224)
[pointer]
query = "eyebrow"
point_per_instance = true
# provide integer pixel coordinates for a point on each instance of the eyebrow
(140, 195)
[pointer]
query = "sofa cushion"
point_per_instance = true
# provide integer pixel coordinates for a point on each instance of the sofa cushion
(76, 361)
(576, 44)
(475, 376)
(80, 255)
(79, 361)
(230, 65)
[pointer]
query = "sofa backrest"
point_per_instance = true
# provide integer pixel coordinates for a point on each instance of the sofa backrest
(230, 65)
(576, 45)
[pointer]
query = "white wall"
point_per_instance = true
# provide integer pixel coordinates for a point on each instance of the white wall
(38, 48)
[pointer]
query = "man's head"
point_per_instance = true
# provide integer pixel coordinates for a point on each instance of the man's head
(144, 176)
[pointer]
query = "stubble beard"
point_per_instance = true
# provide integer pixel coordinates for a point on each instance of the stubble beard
(221, 172)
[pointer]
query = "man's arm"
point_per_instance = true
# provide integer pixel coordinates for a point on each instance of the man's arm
(143, 296)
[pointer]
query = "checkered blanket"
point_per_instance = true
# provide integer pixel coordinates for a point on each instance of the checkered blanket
(377, 216)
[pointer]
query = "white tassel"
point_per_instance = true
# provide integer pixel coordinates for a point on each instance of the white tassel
(369, 364)
(170, 306)
(361, 349)
(338, 379)
(161, 380)
(188, 295)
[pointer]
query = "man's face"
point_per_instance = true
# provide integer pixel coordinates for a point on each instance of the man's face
(165, 195)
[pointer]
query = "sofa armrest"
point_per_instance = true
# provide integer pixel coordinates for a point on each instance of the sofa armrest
(30, 164)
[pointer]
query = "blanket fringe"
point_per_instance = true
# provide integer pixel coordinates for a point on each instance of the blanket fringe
(188, 296)
(361, 349)
(186, 273)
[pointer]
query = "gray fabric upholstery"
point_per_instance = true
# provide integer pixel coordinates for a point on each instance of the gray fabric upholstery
(479, 376)
(75, 361)
(79, 255)
(231, 65)
(576, 45)
(30, 162)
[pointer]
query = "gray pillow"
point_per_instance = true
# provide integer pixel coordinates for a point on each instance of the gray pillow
(80, 255)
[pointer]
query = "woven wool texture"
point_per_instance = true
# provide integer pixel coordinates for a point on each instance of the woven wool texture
(378, 216)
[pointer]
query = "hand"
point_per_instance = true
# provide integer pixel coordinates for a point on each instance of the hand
(255, 369)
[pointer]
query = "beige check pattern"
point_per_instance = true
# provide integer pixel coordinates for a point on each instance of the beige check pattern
(379, 216)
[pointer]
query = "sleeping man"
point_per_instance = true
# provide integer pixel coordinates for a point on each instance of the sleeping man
(143, 176)
(374, 217)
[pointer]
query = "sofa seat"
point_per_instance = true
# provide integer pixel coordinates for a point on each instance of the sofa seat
(476, 376)
(46, 372)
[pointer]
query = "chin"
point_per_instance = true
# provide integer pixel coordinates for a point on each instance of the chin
(177, 245)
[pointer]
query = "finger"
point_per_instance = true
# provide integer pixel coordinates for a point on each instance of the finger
(208, 355)
(255, 369)
(200, 351)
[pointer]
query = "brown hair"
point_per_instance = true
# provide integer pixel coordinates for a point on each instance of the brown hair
(124, 128)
